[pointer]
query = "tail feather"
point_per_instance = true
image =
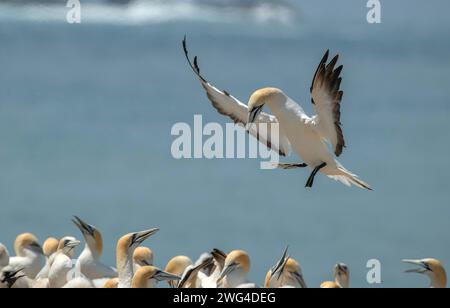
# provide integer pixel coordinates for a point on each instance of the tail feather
(347, 178)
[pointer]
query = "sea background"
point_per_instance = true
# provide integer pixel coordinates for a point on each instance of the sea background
(86, 113)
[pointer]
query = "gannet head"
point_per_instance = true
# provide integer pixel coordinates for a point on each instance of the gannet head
(27, 242)
(238, 262)
(287, 270)
(9, 276)
(4, 256)
(143, 256)
(127, 244)
(147, 273)
(432, 268)
(112, 283)
(177, 266)
(50, 246)
(67, 245)
(342, 275)
(261, 97)
(91, 235)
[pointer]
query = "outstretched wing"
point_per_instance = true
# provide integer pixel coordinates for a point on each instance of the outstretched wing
(326, 98)
(231, 107)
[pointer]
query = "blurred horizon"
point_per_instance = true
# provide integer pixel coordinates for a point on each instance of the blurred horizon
(86, 112)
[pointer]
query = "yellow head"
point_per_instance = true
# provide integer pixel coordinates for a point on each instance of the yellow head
(237, 261)
(112, 283)
(146, 273)
(261, 97)
(433, 269)
(50, 246)
(178, 266)
(127, 244)
(91, 234)
(27, 242)
(143, 256)
(67, 245)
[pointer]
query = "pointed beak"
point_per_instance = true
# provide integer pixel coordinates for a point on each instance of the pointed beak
(11, 277)
(227, 270)
(422, 266)
(164, 276)
(194, 271)
(140, 237)
(72, 244)
(278, 269)
(83, 226)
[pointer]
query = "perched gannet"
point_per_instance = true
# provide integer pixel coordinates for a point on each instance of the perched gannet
(4, 256)
(433, 269)
(341, 276)
(149, 276)
(29, 255)
(88, 262)
(236, 269)
(177, 266)
(193, 275)
(49, 248)
(126, 246)
(62, 263)
(143, 256)
(285, 274)
(307, 136)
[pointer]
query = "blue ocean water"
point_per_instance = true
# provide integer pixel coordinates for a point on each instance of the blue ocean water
(86, 113)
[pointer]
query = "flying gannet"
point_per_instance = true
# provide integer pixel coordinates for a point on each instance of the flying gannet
(62, 263)
(88, 262)
(126, 246)
(307, 136)
(287, 273)
(29, 255)
(433, 269)
(149, 276)
(341, 278)
(235, 271)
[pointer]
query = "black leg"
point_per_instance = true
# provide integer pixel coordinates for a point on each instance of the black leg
(313, 174)
(291, 166)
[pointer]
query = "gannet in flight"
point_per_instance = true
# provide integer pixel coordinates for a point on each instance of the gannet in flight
(4, 256)
(177, 266)
(143, 256)
(62, 263)
(307, 136)
(126, 246)
(235, 272)
(285, 274)
(149, 276)
(29, 255)
(341, 276)
(433, 269)
(89, 261)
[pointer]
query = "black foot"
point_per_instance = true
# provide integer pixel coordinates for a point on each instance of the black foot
(310, 181)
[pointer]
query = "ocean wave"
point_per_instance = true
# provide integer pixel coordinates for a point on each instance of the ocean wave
(155, 11)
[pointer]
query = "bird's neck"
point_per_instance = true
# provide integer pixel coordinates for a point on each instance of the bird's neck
(125, 270)
(439, 281)
(236, 278)
(89, 254)
(343, 282)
